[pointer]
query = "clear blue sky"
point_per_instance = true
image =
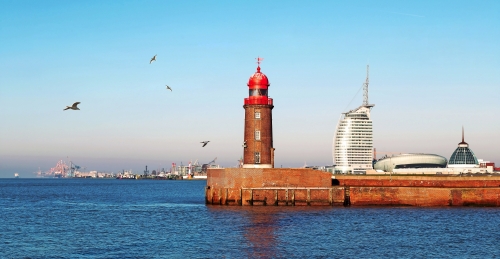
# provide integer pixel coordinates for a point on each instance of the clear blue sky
(434, 66)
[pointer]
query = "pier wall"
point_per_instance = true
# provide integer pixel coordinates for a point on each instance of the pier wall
(267, 186)
(418, 181)
(286, 186)
(424, 196)
(267, 177)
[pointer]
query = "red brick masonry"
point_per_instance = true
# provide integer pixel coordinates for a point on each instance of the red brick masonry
(287, 186)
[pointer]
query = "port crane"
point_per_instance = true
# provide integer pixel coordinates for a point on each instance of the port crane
(240, 162)
(73, 169)
(60, 170)
(204, 167)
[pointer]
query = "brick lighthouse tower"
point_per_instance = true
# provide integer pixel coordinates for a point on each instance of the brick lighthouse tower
(258, 142)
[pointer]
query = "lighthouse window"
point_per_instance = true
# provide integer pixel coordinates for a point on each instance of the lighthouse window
(257, 115)
(257, 157)
(257, 135)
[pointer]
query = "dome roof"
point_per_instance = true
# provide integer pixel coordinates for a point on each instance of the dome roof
(258, 79)
(463, 156)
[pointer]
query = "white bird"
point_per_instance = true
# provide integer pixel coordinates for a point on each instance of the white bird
(152, 59)
(204, 143)
(73, 107)
(168, 88)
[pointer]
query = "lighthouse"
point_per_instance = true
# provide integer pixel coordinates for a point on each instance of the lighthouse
(258, 151)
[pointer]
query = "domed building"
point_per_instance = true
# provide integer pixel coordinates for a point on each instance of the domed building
(407, 161)
(463, 156)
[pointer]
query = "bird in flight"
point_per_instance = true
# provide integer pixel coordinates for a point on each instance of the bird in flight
(168, 88)
(73, 107)
(204, 143)
(152, 59)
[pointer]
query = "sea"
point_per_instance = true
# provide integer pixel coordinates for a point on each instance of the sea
(111, 218)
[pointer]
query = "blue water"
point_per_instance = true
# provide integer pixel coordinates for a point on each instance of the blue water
(95, 218)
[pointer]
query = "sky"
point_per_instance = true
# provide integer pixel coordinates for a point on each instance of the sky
(434, 67)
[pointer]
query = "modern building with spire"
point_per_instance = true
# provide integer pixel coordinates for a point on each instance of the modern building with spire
(463, 157)
(353, 143)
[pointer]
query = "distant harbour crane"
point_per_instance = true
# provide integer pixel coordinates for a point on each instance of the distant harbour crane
(204, 167)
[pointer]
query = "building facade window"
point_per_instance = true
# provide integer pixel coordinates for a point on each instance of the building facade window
(257, 157)
(257, 114)
(257, 135)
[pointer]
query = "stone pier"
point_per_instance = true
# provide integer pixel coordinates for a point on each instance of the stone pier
(297, 186)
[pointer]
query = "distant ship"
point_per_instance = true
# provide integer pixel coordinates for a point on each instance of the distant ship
(16, 175)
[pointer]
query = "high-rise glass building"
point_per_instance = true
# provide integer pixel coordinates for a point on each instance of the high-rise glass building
(353, 143)
(353, 146)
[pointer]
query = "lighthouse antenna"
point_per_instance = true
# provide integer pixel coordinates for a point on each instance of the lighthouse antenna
(365, 86)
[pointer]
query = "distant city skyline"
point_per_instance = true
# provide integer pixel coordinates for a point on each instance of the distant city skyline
(433, 68)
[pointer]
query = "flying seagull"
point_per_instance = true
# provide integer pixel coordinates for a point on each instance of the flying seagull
(73, 107)
(152, 59)
(168, 87)
(204, 143)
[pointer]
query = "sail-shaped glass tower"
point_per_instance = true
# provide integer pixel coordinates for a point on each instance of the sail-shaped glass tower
(353, 144)
(353, 147)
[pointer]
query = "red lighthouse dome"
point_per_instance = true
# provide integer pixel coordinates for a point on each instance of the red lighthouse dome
(258, 86)
(258, 80)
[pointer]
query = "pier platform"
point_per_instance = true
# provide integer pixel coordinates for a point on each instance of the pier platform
(297, 186)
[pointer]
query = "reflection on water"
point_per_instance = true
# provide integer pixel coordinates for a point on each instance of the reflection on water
(263, 226)
(260, 233)
(258, 227)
